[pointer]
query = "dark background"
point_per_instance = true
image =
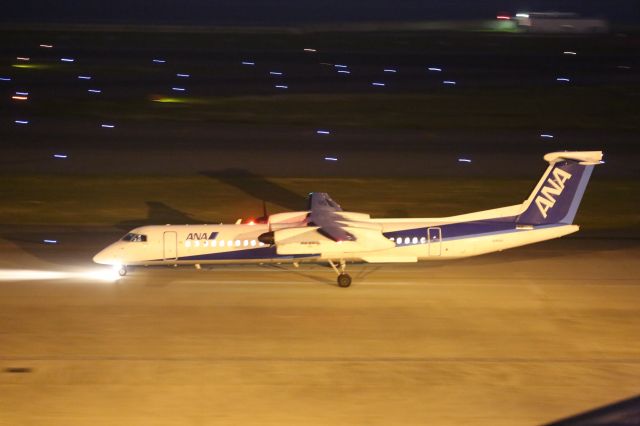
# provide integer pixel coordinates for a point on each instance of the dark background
(287, 12)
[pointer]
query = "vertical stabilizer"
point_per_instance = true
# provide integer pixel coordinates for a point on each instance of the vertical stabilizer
(556, 198)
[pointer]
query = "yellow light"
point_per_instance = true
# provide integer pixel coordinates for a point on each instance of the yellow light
(31, 66)
(19, 98)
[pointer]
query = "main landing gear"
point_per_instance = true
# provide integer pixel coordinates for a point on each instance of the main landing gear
(344, 279)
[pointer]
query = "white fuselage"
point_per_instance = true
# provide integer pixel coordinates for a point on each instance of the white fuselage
(413, 240)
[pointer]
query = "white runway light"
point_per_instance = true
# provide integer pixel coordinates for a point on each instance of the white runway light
(94, 274)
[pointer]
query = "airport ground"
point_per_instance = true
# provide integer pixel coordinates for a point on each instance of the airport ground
(522, 337)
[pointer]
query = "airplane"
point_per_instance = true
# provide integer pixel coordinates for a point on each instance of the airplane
(324, 233)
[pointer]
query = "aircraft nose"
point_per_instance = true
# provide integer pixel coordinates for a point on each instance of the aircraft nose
(105, 257)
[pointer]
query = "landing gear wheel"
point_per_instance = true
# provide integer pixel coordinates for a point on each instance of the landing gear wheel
(122, 271)
(344, 280)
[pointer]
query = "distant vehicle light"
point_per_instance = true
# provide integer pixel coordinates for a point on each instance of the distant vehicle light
(21, 121)
(503, 17)
(281, 86)
(464, 160)
(331, 158)
(376, 83)
(23, 58)
(46, 46)
(435, 69)
(60, 156)
(20, 97)
(183, 75)
(546, 136)
(94, 91)
(568, 52)
(323, 132)
(84, 77)
(107, 126)
(159, 61)
(5, 78)
(248, 63)
(449, 82)
(178, 89)
(390, 70)
(67, 60)
(344, 72)
(340, 66)
(522, 15)
(275, 73)
(50, 241)
(307, 49)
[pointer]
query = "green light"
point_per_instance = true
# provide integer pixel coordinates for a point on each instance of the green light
(170, 100)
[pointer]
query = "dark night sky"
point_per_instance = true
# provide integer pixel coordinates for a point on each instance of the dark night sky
(283, 12)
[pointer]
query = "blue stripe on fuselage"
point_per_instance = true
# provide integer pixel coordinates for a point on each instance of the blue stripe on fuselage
(247, 254)
(453, 231)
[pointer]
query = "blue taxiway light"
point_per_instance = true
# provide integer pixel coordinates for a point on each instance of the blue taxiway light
(464, 160)
(183, 75)
(22, 93)
(21, 121)
(67, 60)
(375, 83)
(159, 61)
(546, 135)
(449, 82)
(84, 77)
(281, 86)
(323, 132)
(563, 79)
(94, 90)
(435, 69)
(50, 241)
(390, 70)
(275, 73)
(344, 72)
(341, 66)
(331, 158)
(5, 78)
(60, 156)
(248, 63)
(108, 126)
(178, 89)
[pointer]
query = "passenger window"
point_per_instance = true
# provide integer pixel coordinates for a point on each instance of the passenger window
(415, 240)
(187, 243)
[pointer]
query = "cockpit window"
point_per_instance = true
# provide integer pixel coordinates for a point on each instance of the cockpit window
(135, 238)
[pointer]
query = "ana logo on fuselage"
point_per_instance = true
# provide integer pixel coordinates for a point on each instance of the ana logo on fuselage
(201, 236)
(555, 185)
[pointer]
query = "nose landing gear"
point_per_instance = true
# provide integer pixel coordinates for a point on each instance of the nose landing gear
(344, 279)
(122, 270)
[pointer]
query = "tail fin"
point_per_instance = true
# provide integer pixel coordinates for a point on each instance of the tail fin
(558, 194)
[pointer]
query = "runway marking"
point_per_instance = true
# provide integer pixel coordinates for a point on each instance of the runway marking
(432, 282)
(428, 360)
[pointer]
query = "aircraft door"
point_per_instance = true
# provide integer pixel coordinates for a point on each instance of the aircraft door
(170, 245)
(434, 237)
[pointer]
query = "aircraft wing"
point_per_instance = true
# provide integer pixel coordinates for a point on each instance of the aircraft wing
(324, 215)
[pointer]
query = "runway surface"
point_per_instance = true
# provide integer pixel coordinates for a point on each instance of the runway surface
(521, 337)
